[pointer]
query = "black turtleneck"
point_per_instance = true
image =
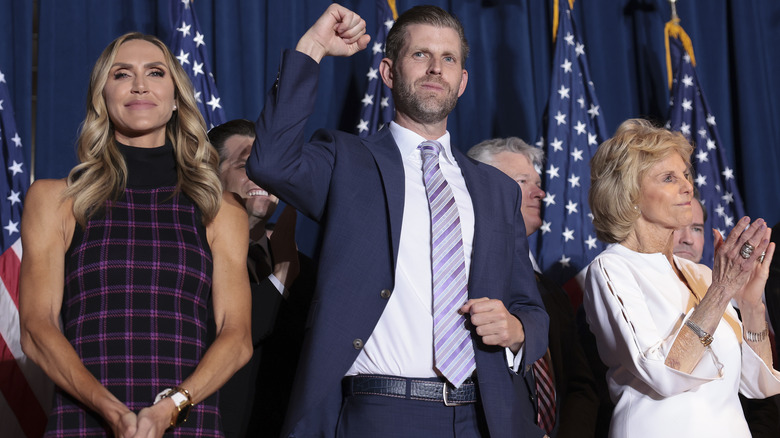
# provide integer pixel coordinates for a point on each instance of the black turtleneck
(149, 167)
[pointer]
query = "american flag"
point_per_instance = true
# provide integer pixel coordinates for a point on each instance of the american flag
(25, 388)
(189, 47)
(712, 175)
(567, 241)
(377, 103)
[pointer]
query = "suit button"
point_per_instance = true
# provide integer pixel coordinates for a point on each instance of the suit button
(358, 344)
(385, 293)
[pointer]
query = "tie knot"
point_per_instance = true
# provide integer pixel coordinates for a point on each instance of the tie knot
(430, 148)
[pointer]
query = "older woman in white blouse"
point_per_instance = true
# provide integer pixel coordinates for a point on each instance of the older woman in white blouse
(676, 350)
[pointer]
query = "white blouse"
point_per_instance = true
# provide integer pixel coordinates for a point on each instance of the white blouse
(635, 307)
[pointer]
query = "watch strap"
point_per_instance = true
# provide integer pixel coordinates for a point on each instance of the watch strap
(183, 401)
(179, 398)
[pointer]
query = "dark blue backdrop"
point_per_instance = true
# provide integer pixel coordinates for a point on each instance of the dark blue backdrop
(735, 41)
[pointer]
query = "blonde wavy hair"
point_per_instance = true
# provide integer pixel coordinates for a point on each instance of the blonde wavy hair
(617, 168)
(102, 172)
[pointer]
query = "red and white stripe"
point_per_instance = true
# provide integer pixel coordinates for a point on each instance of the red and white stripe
(25, 391)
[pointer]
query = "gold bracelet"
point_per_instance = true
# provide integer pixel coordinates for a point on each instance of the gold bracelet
(757, 337)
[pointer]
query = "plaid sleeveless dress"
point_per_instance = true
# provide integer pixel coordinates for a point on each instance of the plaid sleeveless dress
(136, 300)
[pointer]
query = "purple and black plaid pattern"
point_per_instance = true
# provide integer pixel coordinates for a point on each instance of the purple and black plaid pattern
(453, 350)
(137, 286)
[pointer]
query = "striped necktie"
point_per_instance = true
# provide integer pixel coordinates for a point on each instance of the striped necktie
(545, 393)
(453, 349)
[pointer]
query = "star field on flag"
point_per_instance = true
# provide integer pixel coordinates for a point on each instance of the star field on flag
(712, 175)
(377, 104)
(189, 47)
(566, 242)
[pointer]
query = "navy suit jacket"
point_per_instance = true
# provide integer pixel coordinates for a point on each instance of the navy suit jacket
(355, 188)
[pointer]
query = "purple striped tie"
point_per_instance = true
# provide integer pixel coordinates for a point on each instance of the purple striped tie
(453, 350)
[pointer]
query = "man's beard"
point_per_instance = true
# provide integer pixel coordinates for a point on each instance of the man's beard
(426, 110)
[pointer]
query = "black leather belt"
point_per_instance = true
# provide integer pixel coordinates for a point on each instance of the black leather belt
(412, 389)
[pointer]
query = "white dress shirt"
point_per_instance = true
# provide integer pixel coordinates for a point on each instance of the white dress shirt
(402, 341)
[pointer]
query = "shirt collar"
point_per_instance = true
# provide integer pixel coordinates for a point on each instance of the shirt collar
(408, 140)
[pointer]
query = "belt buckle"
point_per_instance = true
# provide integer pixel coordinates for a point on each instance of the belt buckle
(444, 396)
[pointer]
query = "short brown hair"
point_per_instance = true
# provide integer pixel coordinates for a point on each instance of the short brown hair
(425, 14)
(617, 168)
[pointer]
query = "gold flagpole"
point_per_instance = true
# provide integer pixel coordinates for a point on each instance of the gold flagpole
(556, 15)
(391, 3)
(674, 30)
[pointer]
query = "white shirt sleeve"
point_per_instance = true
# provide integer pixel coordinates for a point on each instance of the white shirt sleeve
(757, 379)
(635, 326)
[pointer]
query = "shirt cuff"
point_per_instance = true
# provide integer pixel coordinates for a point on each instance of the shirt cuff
(279, 285)
(513, 360)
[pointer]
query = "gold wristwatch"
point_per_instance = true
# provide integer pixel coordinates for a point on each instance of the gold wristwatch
(181, 397)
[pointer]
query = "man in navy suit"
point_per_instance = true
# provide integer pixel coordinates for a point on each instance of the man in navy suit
(367, 366)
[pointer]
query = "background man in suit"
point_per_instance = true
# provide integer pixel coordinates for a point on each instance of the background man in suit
(368, 365)
(575, 400)
(253, 401)
(689, 241)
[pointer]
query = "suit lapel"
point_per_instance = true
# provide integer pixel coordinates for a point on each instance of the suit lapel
(474, 180)
(390, 163)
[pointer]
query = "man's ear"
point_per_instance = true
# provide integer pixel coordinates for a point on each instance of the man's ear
(386, 71)
(463, 81)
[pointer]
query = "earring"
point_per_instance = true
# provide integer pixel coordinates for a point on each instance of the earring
(175, 107)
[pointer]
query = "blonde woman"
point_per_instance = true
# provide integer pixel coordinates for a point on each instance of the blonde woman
(676, 350)
(129, 250)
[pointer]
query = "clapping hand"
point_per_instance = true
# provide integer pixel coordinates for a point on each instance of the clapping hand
(737, 258)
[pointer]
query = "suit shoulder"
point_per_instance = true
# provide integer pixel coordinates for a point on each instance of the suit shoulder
(338, 138)
(489, 172)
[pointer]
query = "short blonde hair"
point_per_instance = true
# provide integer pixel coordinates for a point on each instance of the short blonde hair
(617, 168)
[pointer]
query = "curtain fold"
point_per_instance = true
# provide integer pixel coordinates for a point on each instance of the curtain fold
(16, 51)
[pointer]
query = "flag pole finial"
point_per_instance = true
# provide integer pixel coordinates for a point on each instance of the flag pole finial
(672, 29)
(673, 4)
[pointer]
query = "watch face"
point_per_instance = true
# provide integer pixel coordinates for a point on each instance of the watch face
(183, 413)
